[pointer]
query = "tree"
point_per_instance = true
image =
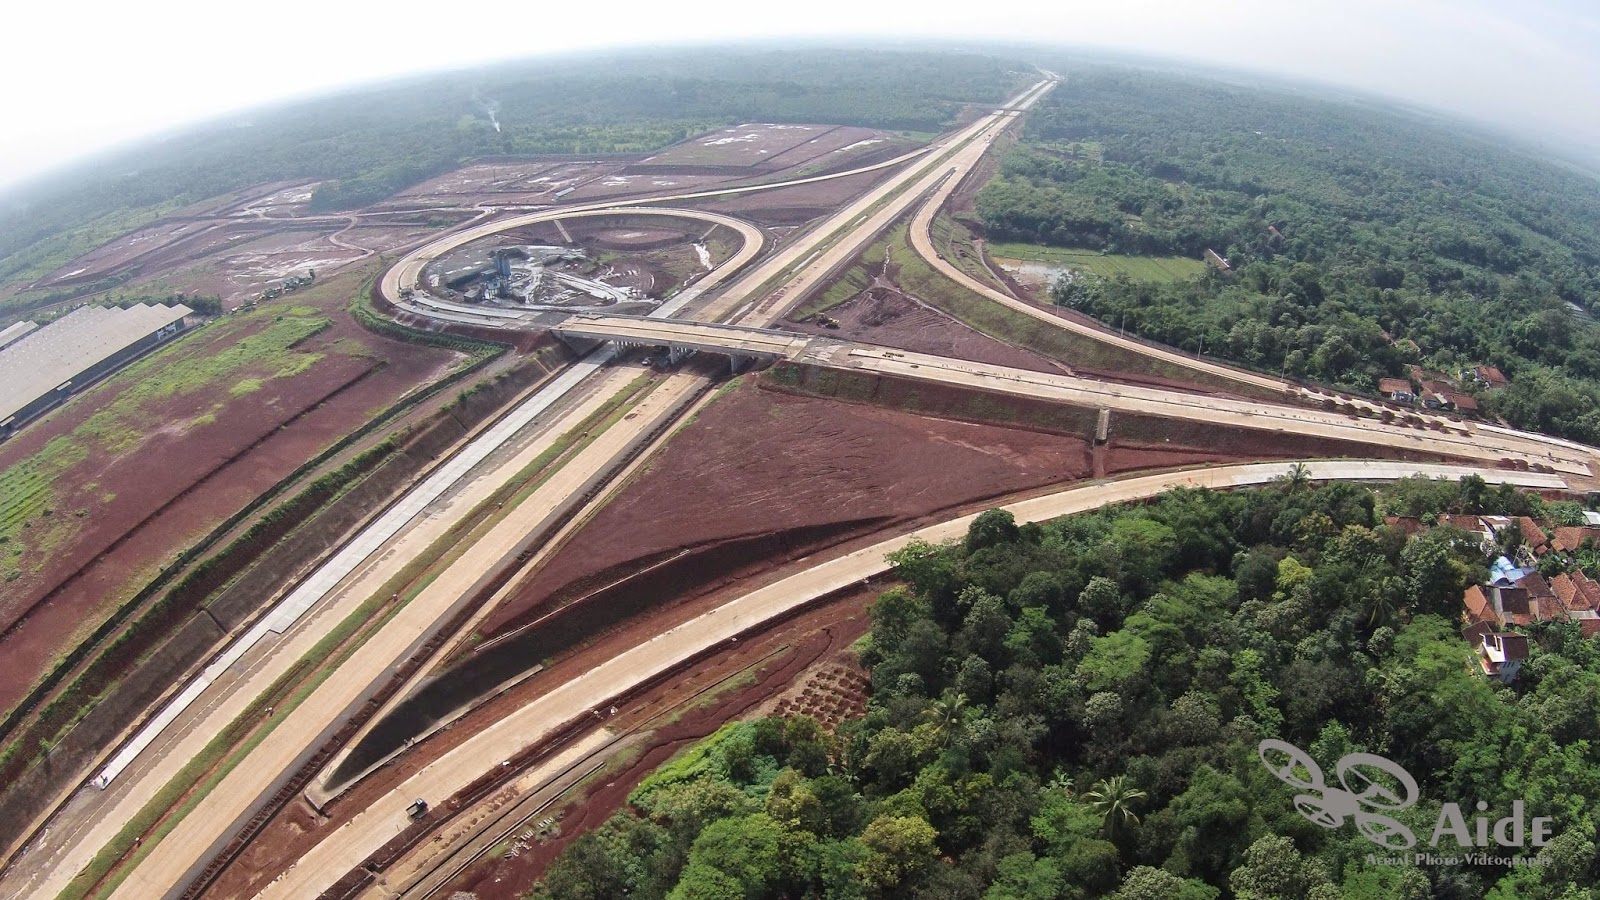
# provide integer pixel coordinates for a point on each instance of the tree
(1022, 876)
(1435, 576)
(1297, 479)
(1383, 601)
(617, 859)
(991, 528)
(946, 714)
(1114, 799)
(1101, 600)
(737, 857)
(898, 847)
(1147, 883)
(1274, 870)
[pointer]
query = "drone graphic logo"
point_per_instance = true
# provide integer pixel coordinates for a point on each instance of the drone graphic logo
(1369, 786)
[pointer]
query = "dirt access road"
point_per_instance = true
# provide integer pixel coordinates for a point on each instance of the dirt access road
(178, 858)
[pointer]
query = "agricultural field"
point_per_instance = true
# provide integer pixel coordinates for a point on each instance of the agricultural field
(1034, 259)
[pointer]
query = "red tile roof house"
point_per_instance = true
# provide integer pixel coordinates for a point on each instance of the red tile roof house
(1511, 605)
(1589, 589)
(1409, 524)
(1571, 537)
(1491, 376)
(1543, 603)
(1477, 609)
(1501, 655)
(1469, 524)
(1581, 597)
(1397, 389)
(1463, 402)
(1533, 536)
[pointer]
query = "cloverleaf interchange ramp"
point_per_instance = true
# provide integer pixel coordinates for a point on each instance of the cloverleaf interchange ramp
(751, 303)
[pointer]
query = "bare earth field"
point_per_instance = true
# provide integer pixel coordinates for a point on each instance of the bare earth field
(793, 205)
(129, 473)
(759, 464)
(884, 316)
(768, 146)
(529, 181)
(236, 246)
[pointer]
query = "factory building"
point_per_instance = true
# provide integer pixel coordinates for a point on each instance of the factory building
(41, 366)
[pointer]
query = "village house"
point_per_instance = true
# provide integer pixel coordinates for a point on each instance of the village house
(1516, 595)
(1501, 655)
(1397, 389)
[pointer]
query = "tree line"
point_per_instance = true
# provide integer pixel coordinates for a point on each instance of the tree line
(1073, 710)
(1364, 240)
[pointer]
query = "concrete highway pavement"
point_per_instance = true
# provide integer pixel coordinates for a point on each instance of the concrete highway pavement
(405, 274)
(1456, 440)
(1443, 436)
(45, 867)
(180, 856)
(348, 846)
(730, 339)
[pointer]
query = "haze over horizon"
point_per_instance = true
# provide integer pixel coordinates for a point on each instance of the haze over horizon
(138, 71)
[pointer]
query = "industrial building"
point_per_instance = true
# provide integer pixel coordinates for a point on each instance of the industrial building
(40, 367)
(14, 333)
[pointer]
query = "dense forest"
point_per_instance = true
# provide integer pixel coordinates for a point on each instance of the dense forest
(1363, 240)
(374, 142)
(1073, 710)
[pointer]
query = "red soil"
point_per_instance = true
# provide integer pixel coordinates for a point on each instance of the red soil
(180, 483)
(884, 316)
(839, 622)
(790, 205)
(760, 463)
(811, 657)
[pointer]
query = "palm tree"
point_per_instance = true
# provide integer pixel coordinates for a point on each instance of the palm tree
(1113, 799)
(1061, 781)
(946, 714)
(1383, 601)
(1298, 476)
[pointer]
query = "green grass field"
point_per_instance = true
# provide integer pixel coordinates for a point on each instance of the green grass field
(1139, 268)
(917, 278)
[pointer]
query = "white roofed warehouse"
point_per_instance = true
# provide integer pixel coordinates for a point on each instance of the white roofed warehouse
(42, 367)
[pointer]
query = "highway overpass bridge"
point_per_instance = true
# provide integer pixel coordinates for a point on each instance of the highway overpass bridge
(1427, 433)
(744, 344)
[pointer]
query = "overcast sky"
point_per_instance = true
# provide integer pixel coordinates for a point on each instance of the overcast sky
(78, 77)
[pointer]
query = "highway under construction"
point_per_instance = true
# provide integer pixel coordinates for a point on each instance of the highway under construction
(735, 311)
